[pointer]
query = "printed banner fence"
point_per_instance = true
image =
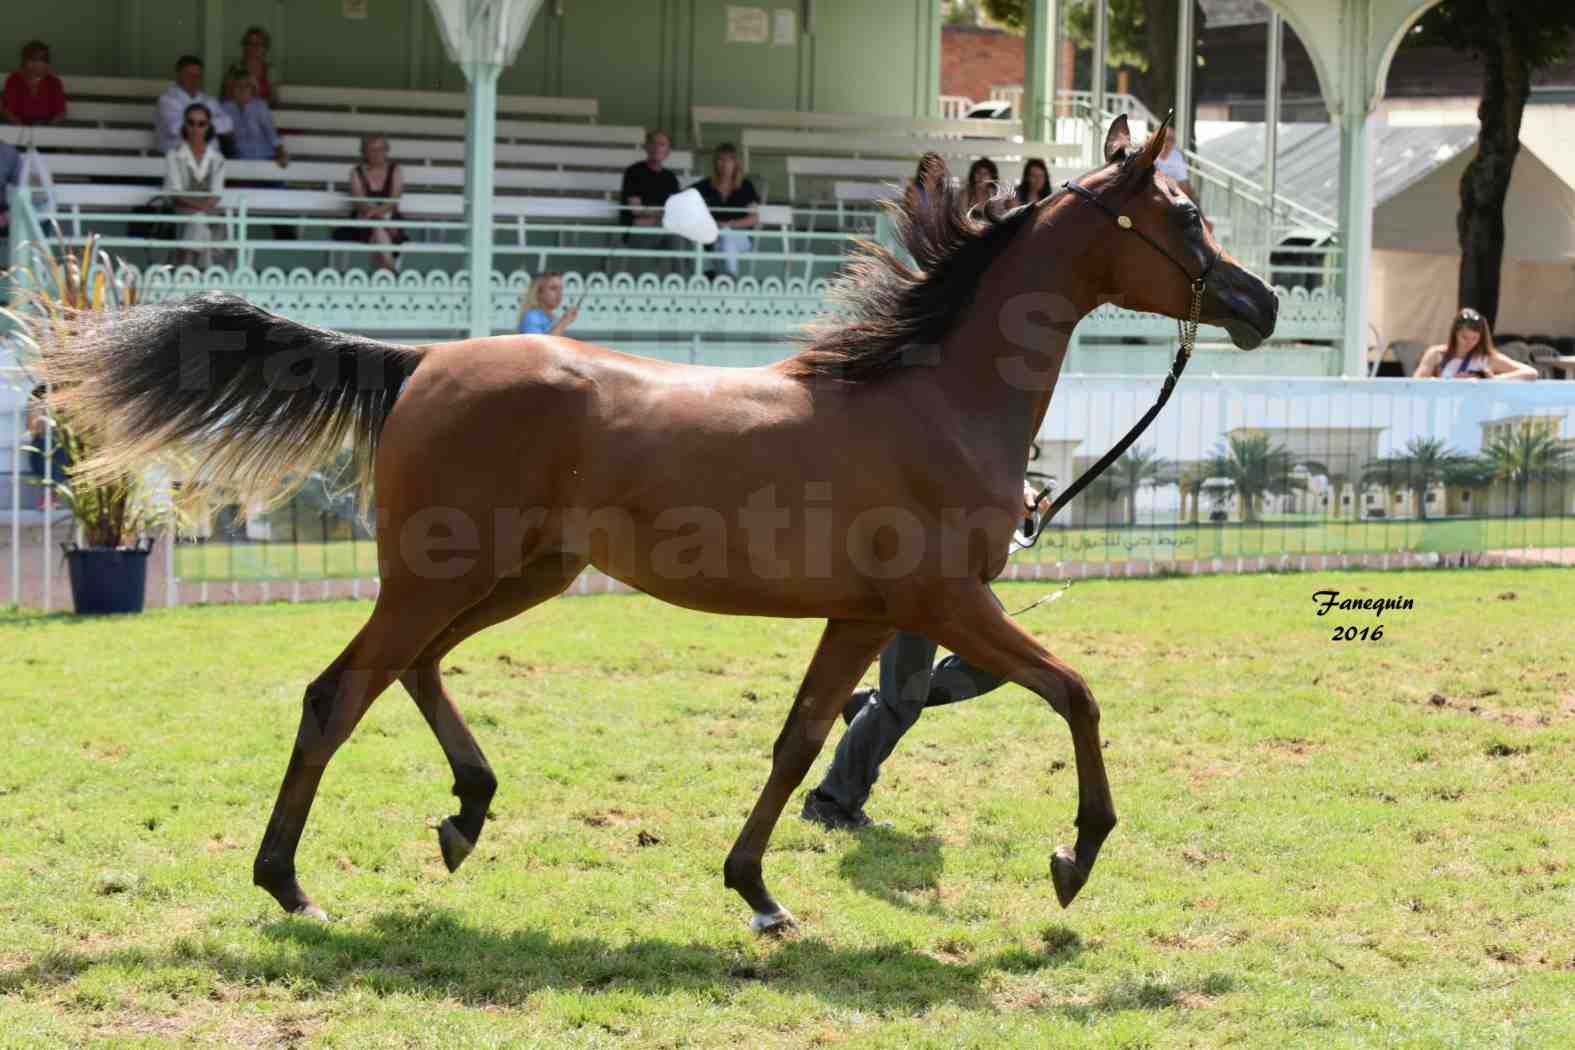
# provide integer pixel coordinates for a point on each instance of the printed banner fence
(1235, 475)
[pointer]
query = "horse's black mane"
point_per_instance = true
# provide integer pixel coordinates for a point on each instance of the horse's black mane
(889, 308)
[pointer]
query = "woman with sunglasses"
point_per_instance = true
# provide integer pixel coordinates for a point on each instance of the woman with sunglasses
(194, 183)
(1470, 354)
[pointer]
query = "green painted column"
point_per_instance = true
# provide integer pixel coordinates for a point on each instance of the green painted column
(213, 47)
(481, 126)
(1357, 99)
(482, 36)
(1039, 72)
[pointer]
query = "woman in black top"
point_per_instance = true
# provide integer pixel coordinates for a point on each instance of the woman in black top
(376, 185)
(982, 177)
(732, 200)
(1035, 186)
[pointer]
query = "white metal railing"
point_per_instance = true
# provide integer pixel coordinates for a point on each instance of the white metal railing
(955, 107)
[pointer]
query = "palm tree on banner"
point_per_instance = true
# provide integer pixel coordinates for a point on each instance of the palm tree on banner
(1255, 467)
(1190, 480)
(1524, 455)
(1136, 468)
(1424, 462)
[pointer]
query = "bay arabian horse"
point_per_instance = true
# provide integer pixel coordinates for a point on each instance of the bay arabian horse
(873, 480)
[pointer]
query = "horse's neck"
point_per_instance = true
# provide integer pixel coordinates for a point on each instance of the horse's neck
(1002, 358)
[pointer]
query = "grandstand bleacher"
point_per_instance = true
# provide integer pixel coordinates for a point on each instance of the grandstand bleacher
(556, 175)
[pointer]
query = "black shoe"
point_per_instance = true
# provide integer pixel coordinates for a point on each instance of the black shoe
(818, 809)
(856, 703)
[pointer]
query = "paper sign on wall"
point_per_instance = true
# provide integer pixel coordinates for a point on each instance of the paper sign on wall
(355, 8)
(747, 25)
(784, 27)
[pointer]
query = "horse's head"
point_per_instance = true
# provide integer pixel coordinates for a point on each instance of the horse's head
(1143, 200)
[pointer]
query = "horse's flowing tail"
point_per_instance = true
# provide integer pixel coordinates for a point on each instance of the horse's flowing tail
(252, 399)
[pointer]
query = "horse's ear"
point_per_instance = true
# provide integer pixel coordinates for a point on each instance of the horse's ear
(1156, 143)
(1118, 139)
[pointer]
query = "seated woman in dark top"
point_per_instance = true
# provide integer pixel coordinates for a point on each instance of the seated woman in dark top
(982, 177)
(376, 185)
(1035, 186)
(732, 200)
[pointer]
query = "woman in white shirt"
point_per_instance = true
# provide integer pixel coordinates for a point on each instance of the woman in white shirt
(193, 182)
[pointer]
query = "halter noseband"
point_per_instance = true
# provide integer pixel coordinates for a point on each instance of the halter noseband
(1186, 331)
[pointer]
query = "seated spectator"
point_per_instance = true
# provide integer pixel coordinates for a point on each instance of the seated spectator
(194, 182)
(543, 297)
(10, 175)
(376, 184)
(732, 200)
(982, 176)
(1035, 186)
(1174, 163)
(255, 45)
(33, 95)
(1470, 354)
(254, 135)
(186, 91)
(646, 186)
(928, 179)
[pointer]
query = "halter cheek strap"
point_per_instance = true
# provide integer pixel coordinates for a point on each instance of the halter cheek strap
(1126, 224)
(1187, 331)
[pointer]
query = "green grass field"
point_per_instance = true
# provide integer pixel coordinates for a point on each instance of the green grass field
(1323, 844)
(341, 559)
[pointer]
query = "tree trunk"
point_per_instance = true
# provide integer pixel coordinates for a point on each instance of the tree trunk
(1484, 185)
(1156, 85)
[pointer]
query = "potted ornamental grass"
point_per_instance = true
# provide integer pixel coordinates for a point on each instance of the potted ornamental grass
(116, 517)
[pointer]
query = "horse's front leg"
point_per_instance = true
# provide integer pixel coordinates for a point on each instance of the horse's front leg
(844, 654)
(976, 628)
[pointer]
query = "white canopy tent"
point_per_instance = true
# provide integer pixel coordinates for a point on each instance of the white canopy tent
(1416, 255)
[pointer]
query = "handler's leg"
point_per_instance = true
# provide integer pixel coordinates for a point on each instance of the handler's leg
(904, 688)
(955, 679)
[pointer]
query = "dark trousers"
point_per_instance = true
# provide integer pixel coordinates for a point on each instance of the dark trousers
(910, 681)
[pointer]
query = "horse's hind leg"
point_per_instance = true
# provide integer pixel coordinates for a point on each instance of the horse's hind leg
(544, 578)
(845, 652)
(404, 621)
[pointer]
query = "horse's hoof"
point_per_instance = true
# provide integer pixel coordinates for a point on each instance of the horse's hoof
(780, 922)
(311, 911)
(456, 847)
(1067, 875)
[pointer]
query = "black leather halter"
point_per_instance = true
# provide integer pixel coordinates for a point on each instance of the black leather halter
(1186, 330)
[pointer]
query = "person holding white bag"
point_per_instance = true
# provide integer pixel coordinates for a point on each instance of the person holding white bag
(733, 203)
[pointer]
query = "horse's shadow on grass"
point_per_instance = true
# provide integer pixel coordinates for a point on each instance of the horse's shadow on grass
(437, 953)
(896, 868)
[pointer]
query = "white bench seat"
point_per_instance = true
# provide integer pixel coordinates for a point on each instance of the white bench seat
(914, 146)
(350, 98)
(795, 120)
(348, 148)
(335, 174)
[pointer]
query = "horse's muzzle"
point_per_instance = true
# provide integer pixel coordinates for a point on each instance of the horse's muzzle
(1240, 303)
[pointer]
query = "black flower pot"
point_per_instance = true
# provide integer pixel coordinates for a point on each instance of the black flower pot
(108, 579)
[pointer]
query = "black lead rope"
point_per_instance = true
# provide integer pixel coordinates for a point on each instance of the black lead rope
(1188, 333)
